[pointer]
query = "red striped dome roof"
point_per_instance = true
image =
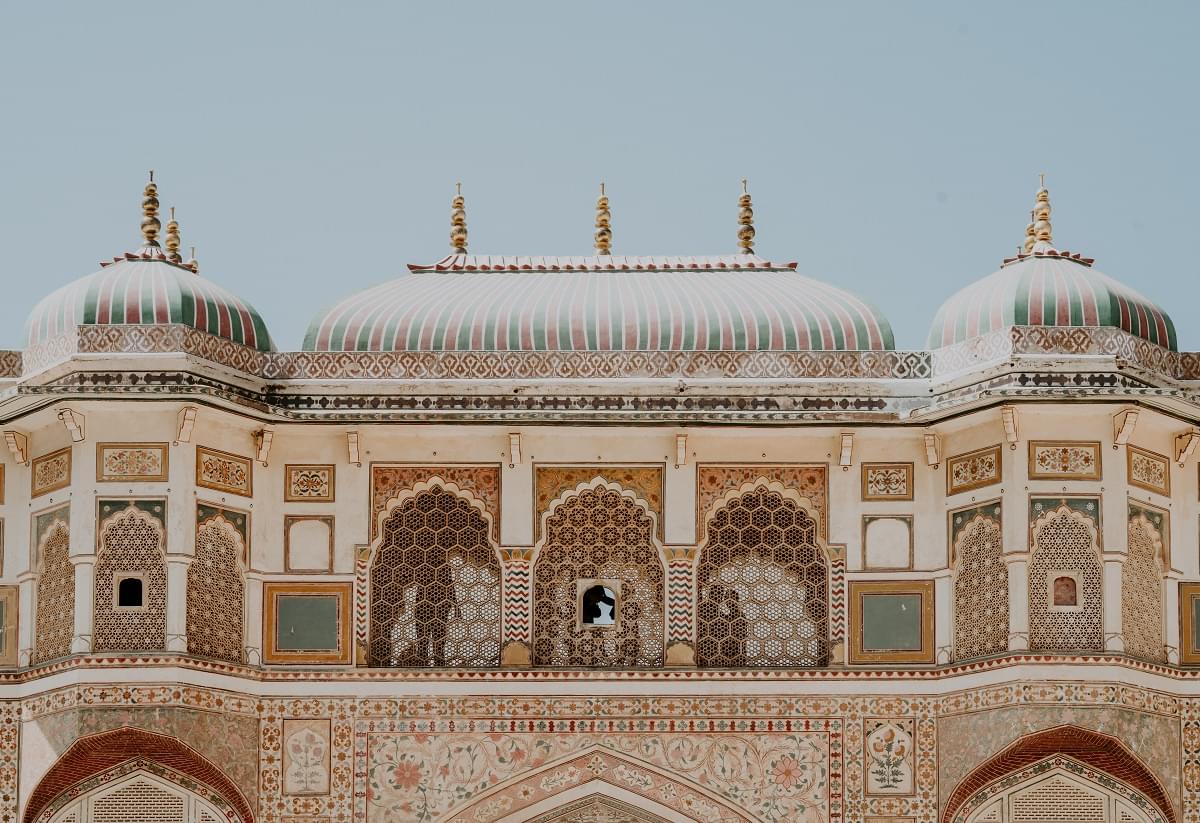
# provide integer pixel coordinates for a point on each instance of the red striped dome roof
(601, 303)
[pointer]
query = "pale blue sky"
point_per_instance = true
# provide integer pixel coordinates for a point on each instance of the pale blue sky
(311, 149)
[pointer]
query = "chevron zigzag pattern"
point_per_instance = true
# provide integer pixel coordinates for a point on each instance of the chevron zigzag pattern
(679, 601)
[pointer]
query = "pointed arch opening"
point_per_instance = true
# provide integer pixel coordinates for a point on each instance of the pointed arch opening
(599, 541)
(435, 583)
(762, 585)
(130, 765)
(130, 592)
(1066, 583)
(1091, 767)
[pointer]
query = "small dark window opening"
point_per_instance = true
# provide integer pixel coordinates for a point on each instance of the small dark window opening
(599, 606)
(129, 593)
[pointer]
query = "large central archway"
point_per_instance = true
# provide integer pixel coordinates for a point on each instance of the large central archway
(130, 774)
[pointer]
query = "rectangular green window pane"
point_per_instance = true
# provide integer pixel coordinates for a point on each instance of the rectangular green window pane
(306, 623)
(891, 622)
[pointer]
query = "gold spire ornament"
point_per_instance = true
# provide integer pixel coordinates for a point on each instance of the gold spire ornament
(458, 221)
(1030, 235)
(150, 223)
(603, 224)
(1041, 212)
(746, 220)
(193, 263)
(173, 239)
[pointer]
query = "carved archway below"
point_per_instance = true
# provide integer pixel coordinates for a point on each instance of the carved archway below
(595, 769)
(1071, 744)
(99, 758)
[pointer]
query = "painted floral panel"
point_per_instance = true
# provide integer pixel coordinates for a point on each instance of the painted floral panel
(887, 481)
(145, 462)
(50, 472)
(1064, 460)
(306, 748)
(973, 470)
(1149, 471)
(224, 472)
(777, 777)
(890, 756)
(309, 484)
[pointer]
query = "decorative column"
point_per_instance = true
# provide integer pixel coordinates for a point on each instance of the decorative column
(1018, 601)
(177, 573)
(253, 618)
(516, 606)
(943, 609)
(681, 624)
(1171, 615)
(1114, 637)
(27, 585)
(85, 578)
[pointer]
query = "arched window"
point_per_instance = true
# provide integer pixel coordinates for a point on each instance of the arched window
(1065, 583)
(435, 586)
(598, 541)
(216, 592)
(980, 589)
(762, 586)
(131, 583)
(1142, 588)
(55, 623)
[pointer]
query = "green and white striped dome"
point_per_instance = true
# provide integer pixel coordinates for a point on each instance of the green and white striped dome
(601, 303)
(145, 288)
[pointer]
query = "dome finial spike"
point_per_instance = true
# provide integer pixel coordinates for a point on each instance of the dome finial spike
(1041, 213)
(745, 220)
(172, 241)
(458, 221)
(150, 222)
(603, 235)
(192, 262)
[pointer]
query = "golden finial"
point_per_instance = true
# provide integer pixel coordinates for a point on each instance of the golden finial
(603, 224)
(1041, 212)
(746, 220)
(458, 221)
(150, 224)
(173, 239)
(1030, 235)
(192, 262)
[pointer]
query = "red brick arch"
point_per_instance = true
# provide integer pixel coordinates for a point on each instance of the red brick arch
(90, 756)
(1099, 751)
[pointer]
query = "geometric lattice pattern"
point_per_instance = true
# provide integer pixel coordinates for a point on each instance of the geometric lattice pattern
(763, 586)
(435, 586)
(980, 590)
(55, 624)
(599, 534)
(131, 541)
(1142, 591)
(1064, 543)
(216, 593)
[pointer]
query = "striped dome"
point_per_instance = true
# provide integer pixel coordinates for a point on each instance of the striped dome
(1049, 288)
(143, 288)
(609, 303)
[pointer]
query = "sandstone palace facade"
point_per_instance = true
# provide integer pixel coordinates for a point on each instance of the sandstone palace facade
(599, 539)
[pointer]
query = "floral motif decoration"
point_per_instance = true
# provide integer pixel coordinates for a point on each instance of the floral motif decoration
(309, 484)
(1064, 460)
(973, 470)
(483, 482)
(131, 461)
(551, 481)
(1149, 471)
(224, 472)
(50, 472)
(306, 748)
(887, 481)
(713, 481)
(715, 777)
(888, 756)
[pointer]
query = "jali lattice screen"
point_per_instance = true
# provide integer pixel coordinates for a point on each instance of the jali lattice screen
(435, 586)
(980, 589)
(762, 586)
(216, 593)
(599, 534)
(131, 541)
